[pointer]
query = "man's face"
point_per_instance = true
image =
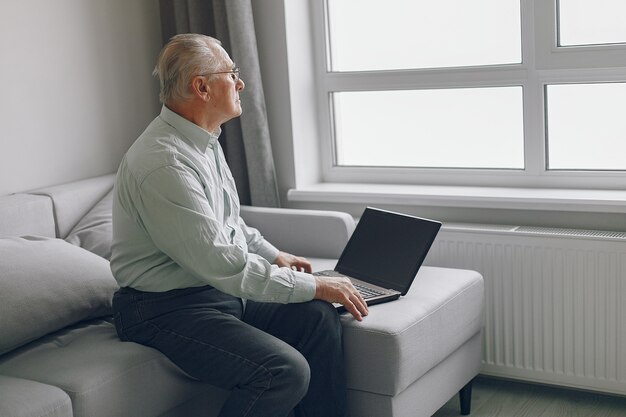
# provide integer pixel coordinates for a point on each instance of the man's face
(225, 88)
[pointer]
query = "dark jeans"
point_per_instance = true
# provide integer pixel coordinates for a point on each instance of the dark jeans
(273, 357)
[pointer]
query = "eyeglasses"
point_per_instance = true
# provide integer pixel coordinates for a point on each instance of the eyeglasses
(234, 72)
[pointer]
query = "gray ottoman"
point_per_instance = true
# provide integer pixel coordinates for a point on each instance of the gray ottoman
(410, 356)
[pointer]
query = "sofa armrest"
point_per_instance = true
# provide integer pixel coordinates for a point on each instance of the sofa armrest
(310, 233)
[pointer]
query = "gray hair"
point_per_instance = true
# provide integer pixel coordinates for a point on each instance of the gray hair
(182, 58)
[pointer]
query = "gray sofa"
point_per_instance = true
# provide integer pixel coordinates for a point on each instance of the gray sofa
(60, 356)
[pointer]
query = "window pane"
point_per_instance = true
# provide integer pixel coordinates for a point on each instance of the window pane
(441, 128)
(399, 34)
(586, 126)
(589, 22)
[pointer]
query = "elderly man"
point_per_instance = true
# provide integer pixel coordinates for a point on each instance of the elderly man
(199, 285)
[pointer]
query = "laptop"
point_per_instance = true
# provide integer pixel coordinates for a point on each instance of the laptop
(384, 254)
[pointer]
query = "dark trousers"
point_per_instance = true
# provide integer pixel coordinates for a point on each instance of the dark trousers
(273, 357)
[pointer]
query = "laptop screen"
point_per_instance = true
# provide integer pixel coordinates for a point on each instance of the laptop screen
(387, 248)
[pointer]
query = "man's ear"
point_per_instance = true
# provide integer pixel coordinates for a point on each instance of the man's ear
(200, 88)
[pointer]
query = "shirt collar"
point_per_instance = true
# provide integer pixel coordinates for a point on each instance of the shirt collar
(199, 137)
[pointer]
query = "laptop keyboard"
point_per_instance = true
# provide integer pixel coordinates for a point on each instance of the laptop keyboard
(366, 292)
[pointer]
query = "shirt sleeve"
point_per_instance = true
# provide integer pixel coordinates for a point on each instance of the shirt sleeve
(177, 215)
(257, 243)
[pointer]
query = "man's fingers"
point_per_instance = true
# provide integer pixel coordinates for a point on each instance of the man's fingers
(296, 263)
(301, 265)
(355, 303)
(340, 290)
(304, 265)
(353, 310)
(360, 303)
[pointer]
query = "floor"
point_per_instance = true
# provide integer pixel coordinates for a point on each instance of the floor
(501, 398)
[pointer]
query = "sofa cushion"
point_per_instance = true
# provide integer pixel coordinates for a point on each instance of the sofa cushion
(94, 231)
(73, 200)
(25, 398)
(48, 284)
(23, 214)
(400, 341)
(104, 376)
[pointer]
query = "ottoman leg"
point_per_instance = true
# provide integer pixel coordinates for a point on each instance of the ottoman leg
(465, 397)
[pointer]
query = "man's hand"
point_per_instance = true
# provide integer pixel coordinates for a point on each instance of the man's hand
(294, 262)
(340, 290)
(332, 289)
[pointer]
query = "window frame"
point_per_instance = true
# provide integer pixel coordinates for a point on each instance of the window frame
(543, 63)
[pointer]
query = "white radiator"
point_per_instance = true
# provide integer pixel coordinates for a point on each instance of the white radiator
(555, 307)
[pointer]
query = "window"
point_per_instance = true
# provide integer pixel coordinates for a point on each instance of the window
(428, 128)
(586, 126)
(484, 92)
(591, 22)
(366, 35)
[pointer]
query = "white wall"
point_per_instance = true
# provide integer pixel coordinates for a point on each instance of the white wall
(76, 87)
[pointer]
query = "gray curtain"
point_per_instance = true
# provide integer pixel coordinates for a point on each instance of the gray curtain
(246, 139)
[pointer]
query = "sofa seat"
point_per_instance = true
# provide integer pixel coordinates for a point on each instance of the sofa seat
(25, 398)
(99, 372)
(401, 341)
